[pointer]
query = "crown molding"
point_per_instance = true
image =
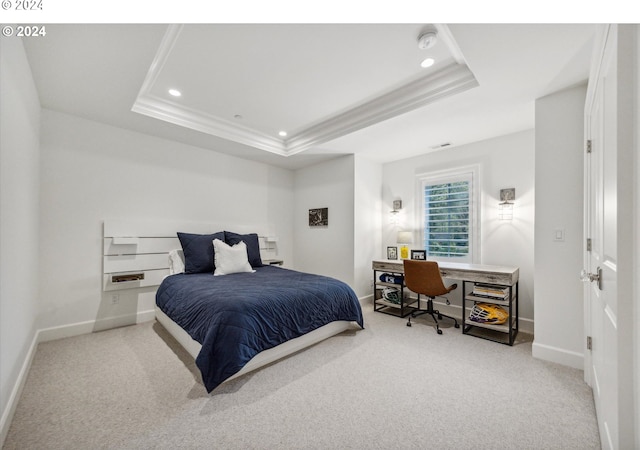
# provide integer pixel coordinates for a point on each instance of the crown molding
(446, 82)
(180, 115)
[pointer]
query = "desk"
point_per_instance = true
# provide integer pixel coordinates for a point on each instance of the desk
(506, 277)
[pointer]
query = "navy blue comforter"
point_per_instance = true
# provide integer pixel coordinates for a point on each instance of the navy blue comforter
(239, 315)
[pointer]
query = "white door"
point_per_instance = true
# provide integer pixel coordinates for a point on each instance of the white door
(601, 260)
(607, 370)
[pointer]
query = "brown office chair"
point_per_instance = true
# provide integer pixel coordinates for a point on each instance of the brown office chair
(423, 277)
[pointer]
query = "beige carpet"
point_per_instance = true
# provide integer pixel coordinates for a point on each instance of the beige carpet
(386, 387)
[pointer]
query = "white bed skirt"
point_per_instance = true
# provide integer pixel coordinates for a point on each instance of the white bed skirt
(265, 357)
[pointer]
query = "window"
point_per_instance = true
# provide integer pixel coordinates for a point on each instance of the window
(448, 214)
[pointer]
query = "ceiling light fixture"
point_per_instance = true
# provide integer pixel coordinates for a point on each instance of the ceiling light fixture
(175, 92)
(282, 133)
(427, 63)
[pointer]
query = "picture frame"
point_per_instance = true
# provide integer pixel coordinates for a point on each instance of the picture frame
(319, 217)
(419, 255)
(392, 252)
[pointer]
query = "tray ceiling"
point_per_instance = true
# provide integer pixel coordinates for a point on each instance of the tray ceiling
(248, 83)
(335, 88)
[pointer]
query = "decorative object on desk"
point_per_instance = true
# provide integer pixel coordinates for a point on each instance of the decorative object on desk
(505, 208)
(319, 217)
(419, 254)
(392, 252)
(404, 238)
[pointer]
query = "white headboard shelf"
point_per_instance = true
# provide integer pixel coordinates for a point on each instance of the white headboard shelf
(136, 252)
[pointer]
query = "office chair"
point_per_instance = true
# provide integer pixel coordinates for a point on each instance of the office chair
(423, 277)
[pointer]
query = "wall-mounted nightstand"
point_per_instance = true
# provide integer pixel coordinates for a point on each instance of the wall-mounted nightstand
(273, 262)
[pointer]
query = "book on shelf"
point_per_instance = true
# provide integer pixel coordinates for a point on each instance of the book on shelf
(490, 291)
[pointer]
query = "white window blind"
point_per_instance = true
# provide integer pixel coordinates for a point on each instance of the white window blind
(448, 214)
(447, 219)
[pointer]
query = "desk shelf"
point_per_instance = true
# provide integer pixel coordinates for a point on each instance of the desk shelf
(503, 333)
(480, 299)
(401, 309)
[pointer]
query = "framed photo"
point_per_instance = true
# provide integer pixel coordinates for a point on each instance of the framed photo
(419, 254)
(319, 217)
(392, 252)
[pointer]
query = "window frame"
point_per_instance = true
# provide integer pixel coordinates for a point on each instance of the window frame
(469, 173)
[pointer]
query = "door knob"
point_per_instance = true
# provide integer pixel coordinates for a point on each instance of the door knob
(586, 276)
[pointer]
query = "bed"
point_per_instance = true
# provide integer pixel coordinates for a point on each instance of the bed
(239, 320)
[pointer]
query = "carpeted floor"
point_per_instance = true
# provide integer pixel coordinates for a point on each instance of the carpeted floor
(386, 387)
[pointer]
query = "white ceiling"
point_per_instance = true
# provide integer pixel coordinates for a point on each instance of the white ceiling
(335, 89)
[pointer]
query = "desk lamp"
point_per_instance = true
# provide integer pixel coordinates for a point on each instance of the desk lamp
(404, 238)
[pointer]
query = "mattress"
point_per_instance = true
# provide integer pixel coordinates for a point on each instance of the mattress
(235, 317)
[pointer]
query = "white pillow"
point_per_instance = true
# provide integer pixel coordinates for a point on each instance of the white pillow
(176, 262)
(230, 259)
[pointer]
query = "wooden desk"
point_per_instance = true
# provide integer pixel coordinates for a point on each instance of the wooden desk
(478, 273)
(503, 276)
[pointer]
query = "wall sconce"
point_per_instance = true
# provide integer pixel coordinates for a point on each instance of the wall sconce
(397, 206)
(404, 238)
(505, 207)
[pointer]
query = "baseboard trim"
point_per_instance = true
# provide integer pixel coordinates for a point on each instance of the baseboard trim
(16, 392)
(77, 329)
(54, 333)
(146, 316)
(557, 355)
(65, 331)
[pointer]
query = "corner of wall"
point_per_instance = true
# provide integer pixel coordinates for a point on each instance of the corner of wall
(19, 222)
(559, 139)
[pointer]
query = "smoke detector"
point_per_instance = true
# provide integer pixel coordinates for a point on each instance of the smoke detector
(427, 39)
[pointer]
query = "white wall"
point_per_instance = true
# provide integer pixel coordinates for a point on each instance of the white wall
(325, 250)
(92, 171)
(636, 295)
(505, 162)
(19, 165)
(559, 314)
(367, 222)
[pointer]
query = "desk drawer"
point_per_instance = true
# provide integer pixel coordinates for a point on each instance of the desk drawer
(504, 279)
(388, 267)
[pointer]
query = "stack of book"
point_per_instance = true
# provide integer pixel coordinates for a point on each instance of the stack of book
(491, 291)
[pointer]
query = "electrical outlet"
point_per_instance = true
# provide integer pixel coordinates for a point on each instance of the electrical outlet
(115, 298)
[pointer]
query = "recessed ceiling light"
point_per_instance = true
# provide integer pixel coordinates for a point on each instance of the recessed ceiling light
(427, 62)
(282, 133)
(175, 92)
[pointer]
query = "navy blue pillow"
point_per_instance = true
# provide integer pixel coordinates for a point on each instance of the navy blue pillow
(253, 247)
(198, 251)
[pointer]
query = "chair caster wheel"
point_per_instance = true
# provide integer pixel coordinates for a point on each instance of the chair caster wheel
(457, 325)
(439, 317)
(408, 324)
(439, 331)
